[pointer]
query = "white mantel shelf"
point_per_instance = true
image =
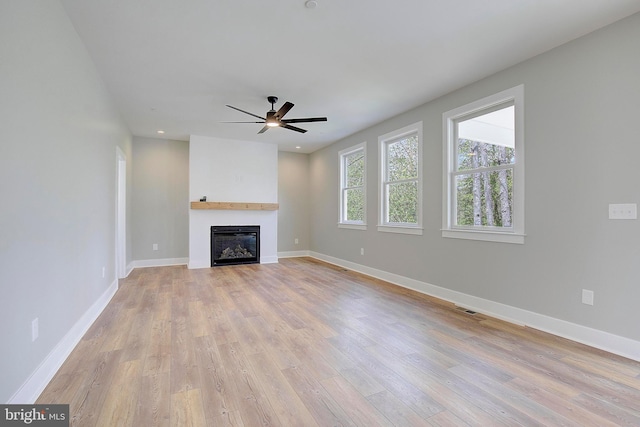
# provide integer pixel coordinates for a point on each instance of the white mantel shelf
(235, 206)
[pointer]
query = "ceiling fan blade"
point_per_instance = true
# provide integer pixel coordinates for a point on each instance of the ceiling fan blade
(286, 126)
(305, 120)
(246, 112)
(284, 110)
(264, 129)
(241, 122)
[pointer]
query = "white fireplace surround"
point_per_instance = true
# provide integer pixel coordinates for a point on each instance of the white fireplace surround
(232, 171)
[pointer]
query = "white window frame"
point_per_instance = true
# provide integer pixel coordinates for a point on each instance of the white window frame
(383, 142)
(516, 233)
(342, 220)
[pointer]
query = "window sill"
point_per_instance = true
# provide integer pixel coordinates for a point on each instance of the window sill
(352, 226)
(487, 236)
(400, 229)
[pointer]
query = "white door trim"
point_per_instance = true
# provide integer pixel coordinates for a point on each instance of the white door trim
(121, 214)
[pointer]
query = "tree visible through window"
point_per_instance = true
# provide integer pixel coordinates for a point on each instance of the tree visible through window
(400, 185)
(484, 177)
(484, 169)
(353, 185)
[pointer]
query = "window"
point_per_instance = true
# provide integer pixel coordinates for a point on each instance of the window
(401, 180)
(353, 165)
(484, 169)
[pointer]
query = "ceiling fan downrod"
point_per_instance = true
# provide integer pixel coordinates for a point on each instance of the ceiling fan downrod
(272, 100)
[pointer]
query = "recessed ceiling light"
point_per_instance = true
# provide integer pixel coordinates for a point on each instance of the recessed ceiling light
(160, 132)
(298, 147)
(311, 4)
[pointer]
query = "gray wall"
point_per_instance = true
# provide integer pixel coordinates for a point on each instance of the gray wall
(582, 149)
(293, 197)
(58, 143)
(161, 198)
(161, 207)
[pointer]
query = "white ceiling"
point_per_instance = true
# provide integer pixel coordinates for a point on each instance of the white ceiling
(174, 64)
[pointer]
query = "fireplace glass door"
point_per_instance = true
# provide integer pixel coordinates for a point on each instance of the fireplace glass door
(235, 245)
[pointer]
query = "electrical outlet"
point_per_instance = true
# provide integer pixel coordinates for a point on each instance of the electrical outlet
(155, 246)
(34, 329)
(361, 251)
(295, 240)
(587, 297)
(623, 211)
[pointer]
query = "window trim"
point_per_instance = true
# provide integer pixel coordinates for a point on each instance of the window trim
(383, 141)
(516, 233)
(342, 222)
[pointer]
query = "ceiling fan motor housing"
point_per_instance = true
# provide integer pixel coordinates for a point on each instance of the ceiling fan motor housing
(271, 119)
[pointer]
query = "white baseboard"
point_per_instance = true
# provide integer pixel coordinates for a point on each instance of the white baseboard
(129, 268)
(592, 337)
(36, 383)
(162, 262)
(293, 254)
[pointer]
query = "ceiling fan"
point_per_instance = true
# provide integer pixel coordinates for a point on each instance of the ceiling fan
(275, 118)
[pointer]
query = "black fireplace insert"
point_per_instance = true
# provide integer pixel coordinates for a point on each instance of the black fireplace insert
(235, 244)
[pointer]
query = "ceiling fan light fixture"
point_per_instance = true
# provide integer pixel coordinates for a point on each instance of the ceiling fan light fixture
(271, 120)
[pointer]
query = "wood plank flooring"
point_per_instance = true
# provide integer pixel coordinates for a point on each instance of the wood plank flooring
(304, 343)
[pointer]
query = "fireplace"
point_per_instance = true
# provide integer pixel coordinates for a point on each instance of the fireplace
(235, 244)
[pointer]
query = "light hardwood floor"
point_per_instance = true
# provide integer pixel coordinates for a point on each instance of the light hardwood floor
(304, 343)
